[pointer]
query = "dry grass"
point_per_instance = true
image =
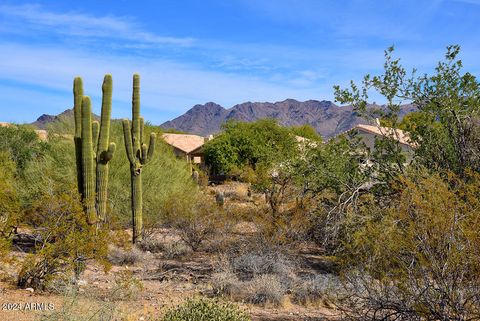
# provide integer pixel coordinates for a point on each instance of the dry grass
(264, 289)
(119, 256)
(175, 250)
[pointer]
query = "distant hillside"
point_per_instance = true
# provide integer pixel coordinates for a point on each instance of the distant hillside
(326, 117)
(45, 119)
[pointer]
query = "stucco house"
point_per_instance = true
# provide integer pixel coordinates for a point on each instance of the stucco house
(368, 134)
(187, 146)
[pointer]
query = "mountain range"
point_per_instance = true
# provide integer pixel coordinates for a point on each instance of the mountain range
(327, 118)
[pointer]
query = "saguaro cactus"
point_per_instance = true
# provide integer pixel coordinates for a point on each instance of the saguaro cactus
(105, 150)
(138, 155)
(93, 152)
(77, 110)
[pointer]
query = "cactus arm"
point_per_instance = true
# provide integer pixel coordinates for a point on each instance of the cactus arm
(77, 112)
(87, 161)
(127, 134)
(151, 145)
(136, 130)
(143, 158)
(142, 127)
(147, 153)
(95, 131)
(106, 114)
(77, 105)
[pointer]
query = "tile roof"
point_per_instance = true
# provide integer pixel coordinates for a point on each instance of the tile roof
(401, 136)
(184, 142)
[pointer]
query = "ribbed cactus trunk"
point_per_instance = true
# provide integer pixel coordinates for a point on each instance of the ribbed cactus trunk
(137, 206)
(77, 110)
(88, 165)
(138, 155)
(105, 150)
(93, 152)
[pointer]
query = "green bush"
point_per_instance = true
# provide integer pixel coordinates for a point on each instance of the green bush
(65, 242)
(418, 258)
(240, 144)
(22, 144)
(9, 203)
(203, 309)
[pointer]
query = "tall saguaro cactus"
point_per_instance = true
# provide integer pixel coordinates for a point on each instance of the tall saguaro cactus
(138, 155)
(105, 150)
(93, 152)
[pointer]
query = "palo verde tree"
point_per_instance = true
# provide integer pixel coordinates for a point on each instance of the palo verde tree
(446, 131)
(138, 155)
(93, 150)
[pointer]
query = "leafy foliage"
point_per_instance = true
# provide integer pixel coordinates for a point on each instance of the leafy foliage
(410, 249)
(66, 241)
(22, 144)
(306, 131)
(9, 203)
(447, 133)
(419, 257)
(249, 144)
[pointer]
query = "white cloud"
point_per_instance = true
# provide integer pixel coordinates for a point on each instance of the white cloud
(84, 25)
(168, 88)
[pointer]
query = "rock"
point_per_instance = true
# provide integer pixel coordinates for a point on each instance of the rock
(30, 290)
(82, 282)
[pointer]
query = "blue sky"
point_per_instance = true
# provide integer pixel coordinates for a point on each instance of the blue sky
(190, 51)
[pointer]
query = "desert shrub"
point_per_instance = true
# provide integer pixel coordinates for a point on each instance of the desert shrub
(9, 203)
(261, 275)
(418, 258)
(196, 222)
(315, 288)
(263, 289)
(225, 283)
(22, 144)
(54, 171)
(252, 264)
(66, 242)
(203, 309)
(121, 239)
(150, 245)
(120, 256)
(127, 286)
(175, 249)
